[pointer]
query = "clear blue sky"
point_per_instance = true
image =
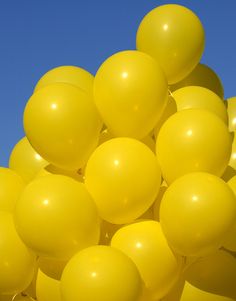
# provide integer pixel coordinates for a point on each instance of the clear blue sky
(36, 36)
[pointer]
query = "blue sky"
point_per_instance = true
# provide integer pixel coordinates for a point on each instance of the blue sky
(36, 36)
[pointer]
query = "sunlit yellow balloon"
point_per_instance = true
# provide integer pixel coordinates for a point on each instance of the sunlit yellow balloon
(193, 140)
(67, 74)
(56, 217)
(145, 243)
(16, 261)
(62, 124)
(197, 211)
(231, 109)
(192, 97)
(100, 273)
(130, 92)
(25, 161)
(202, 76)
(51, 267)
(215, 274)
(123, 177)
(174, 36)
(47, 289)
(232, 161)
(11, 186)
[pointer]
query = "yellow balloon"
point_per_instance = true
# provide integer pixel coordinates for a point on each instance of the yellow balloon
(145, 243)
(157, 203)
(25, 161)
(215, 274)
(11, 186)
(56, 217)
(123, 177)
(67, 74)
(62, 124)
(107, 232)
(232, 161)
(16, 261)
(174, 36)
(51, 267)
(22, 297)
(176, 292)
(194, 97)
(51, 169)
(100, 273)
(229, 173)
(130, 92)
(231, 109)
(191, 293)
(202, 76)
(47, 289)
(197, 211)
(193, 140)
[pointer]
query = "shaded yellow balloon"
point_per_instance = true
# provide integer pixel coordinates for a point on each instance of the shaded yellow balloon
(130, 92)
(194, 97)
(47, 289)
(25, 160)
(202, 76)
(229, 173)
(231, 109)
(193, 140)
(55, 216)
(197, 211)
(157, 203)
(67, 74)
(215, 274)
(176, 292)
(17, 262)
(174, 36)
(59, 171)
(11, 186)
(145, 243)
(100, 273)
(107, 232)
(6, 297)
(51, 267)
(22, 297)
(123, 177)
(62, 124)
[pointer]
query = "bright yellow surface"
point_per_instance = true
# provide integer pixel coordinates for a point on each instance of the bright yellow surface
(11, 186)
(145, 243)
(123, 177)
(62, 124)
(231, 108)
(100, 273)
(16, 261)
(193, 140)
(130, 92)
(47, 289)
(56, 217)
(232, 161)
(174, 36)
(197, 211)
(194, 97)
(25, 160)
(67, 74)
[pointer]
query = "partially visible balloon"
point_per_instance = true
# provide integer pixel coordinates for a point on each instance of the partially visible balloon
(231, 109)
(176, 291)
(47, 289)
(157, 203)
(130, 92)
(229, 173)
(174, 36)
(232, 161)
(25, 160)
(107, 232)
(52, 267)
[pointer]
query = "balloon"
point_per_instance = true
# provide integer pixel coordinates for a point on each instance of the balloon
(6, 297)
(22, 297)
(232, 161)
(123, 177)
(174, 36)
(25, 161)
(130, 92)
(47, 289)
(51, 267)
(62, 124)
(202, 76)
(157, 203)
(100, 273)
(197, 211)
(16, 261)
(229, 173)
(11, 186)
(58, 171)
(194, 294)
(215, 274)
(67, 74)
(107, 232)
(194, 97)
(145, 243)
(56, 217)
(231, 109)
(176, 292)
(193, 140)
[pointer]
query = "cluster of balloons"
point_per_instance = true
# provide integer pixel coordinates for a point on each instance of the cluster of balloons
(124, 187)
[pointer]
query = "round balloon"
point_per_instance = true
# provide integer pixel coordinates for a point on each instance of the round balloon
(123, 177)
(231, 109)
(130, 92)
(62, 124)
(47, 289)
(197, 211)
(100, 273)
(174, 36)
